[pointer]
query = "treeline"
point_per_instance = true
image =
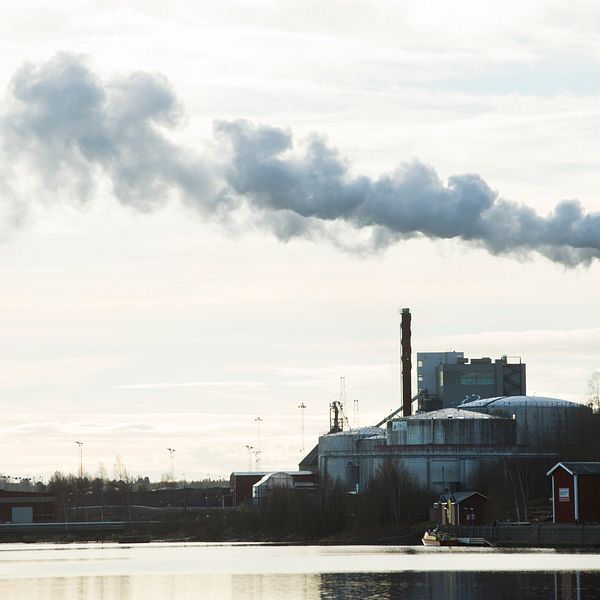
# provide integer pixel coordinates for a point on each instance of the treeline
(390, 508)
(394, 507)
(100, 498)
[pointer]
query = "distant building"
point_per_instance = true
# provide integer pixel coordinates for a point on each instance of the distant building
(427, 368)
(280, 480)
(575, 492)
(451, 449)
(446, 379)
(26, 507)
(249, 485)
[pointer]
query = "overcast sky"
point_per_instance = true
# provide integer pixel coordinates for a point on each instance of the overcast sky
(210, 213)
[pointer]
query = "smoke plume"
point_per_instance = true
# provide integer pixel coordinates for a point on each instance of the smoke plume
(72, 127)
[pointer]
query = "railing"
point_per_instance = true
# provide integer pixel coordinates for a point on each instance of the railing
(530, 534)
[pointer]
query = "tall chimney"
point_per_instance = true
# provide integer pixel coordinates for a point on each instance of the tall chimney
(406, 363)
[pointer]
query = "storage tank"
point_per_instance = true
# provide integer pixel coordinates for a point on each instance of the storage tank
(347, 456)
(360, 438)
(452, 427)
(542, 423)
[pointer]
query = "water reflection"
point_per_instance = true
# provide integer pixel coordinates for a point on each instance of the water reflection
(224, 572)
(462, 586)
(329, 586)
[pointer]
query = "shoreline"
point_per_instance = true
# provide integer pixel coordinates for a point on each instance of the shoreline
(505, 536)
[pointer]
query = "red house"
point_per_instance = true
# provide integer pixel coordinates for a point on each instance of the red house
(575, 492)
(460, 508)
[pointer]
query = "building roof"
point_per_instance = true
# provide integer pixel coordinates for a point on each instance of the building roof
(311, 459)
(458, 497)
(451, 413)
(508, 401)
(261, 474)
(364, 432)
(274, 477)
(577, 468)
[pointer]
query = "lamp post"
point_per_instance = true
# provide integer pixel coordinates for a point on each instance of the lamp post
(302, 406)
(258, 421)
(171, 452)
(249, 448)
(80, 444)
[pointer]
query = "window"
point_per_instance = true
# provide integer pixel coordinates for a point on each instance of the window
(469, 377)
(478, 378)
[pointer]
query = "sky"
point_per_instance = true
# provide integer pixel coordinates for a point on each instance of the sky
(210, 214)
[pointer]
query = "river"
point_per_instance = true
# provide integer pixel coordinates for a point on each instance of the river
(176, 571)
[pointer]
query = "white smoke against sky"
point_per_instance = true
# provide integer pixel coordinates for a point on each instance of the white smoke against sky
(72, 128)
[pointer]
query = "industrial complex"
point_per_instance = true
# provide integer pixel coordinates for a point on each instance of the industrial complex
(469, 422)
(466, 416)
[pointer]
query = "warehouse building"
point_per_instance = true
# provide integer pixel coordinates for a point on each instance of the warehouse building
(26, 507)
(248, 485)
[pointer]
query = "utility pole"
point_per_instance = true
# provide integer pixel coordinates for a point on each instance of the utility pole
(356, 423)
(302, 406)
(258, 421)
(80, 444)
(171, 452)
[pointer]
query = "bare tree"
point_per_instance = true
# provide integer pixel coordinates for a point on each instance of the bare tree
(593, 390)
(396, 496)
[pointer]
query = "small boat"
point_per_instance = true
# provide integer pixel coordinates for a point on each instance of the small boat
(438, 538)
(433, 537)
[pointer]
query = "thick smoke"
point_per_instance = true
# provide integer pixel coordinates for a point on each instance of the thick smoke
(64, 120)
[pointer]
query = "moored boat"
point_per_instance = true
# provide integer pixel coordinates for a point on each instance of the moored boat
(438, 538)
(433, 537)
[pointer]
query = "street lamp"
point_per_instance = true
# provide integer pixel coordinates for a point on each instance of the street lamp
(80, 444)
(302, 406)
(258, 451)
(171, 451)
(249, 448)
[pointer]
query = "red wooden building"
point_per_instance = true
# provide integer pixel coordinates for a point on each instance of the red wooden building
(460, 508)
(575, 492)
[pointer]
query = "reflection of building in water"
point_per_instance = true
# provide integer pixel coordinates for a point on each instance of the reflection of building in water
(460, 585)
(264, 586)
(567, 586)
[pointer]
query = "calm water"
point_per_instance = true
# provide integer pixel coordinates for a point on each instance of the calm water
(223, 571)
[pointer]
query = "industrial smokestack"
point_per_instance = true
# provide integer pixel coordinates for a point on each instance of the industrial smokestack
(406, 362)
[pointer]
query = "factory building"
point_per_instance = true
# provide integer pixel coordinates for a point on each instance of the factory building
(467, 417)
(446, 379)
(451, 448)
(441, 450)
